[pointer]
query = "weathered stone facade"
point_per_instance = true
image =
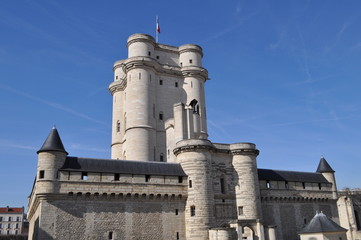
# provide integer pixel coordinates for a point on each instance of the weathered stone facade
(166, 179)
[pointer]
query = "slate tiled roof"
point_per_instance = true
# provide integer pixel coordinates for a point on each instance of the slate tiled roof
(320, 223)
(290, 176)
(122, 166)
(53, 142)
(323, 166)
(11, 210)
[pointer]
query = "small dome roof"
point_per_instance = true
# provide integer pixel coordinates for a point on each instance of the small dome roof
(320, 223)
(53, 142)
(323, 166)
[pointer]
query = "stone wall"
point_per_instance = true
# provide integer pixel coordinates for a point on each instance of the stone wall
(291, 215)
(124, 218)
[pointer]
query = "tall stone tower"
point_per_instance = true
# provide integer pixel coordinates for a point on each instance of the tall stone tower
(146, 86)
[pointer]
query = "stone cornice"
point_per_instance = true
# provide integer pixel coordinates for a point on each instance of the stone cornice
(192, 148)
(118, 86)
(254, 152)
(194, 72)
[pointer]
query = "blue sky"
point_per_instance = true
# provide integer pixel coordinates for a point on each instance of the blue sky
(284, 75)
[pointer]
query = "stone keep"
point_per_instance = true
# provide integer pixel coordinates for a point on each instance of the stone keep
(166, 180)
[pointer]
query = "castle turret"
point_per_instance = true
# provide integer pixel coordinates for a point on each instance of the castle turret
(51, 157)
(190, 58)
(134, 129)
(195, 158)
(325, 169)
(247, 186)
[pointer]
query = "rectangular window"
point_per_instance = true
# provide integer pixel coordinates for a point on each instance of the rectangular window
(319, 186)
(286, 185)
(268, 185)
(116, 177)
(10, 219)
(180, 179)
(304, 185)
(1, 219)
(149, 53)
(84, 176)
(190, 61)
(193, 211)
(176, 212)
(160, 116)
(161, 158)
(41, 174)
(110, 235)
(177, 235)
(18, 219)
(9, 225)
(240, 211)
(157, 57)
(160, 82)
(147, 178)
(17, 225)
(176, 84)
(223, 190)
(190, 183)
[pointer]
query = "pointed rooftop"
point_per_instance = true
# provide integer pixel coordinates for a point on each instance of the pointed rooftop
(323, 166)
(53, 142)
(320, 223)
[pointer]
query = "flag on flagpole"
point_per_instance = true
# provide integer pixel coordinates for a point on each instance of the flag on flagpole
(157, 26)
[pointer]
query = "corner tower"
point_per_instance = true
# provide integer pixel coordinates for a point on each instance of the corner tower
(146, 86)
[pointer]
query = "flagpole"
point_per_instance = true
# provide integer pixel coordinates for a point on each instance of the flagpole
(156, 29)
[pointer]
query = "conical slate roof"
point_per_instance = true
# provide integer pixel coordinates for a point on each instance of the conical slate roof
(320, 223)
(53, 142)
(323, 166)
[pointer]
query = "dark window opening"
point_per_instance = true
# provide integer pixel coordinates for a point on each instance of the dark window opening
(304, 185)
(177, 235)
(140, 75)
(116, 77)
(161, 158)
(149, 53)
(160, 82)
(41, 174)
(176, 212)
(84, 176)
(240, 211)
(176, 84)
(286, 184)
(190, 183)
(268, 185)
(223, 200)
(118, 126)
(357, 218)
(157, 57)
(160, 116)
(305, 220)
(110, 235)
(193, 211)
(147, 178)
(319, 186)
(223, 189)
(116, 177)
(190, 61)
(180, 179)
